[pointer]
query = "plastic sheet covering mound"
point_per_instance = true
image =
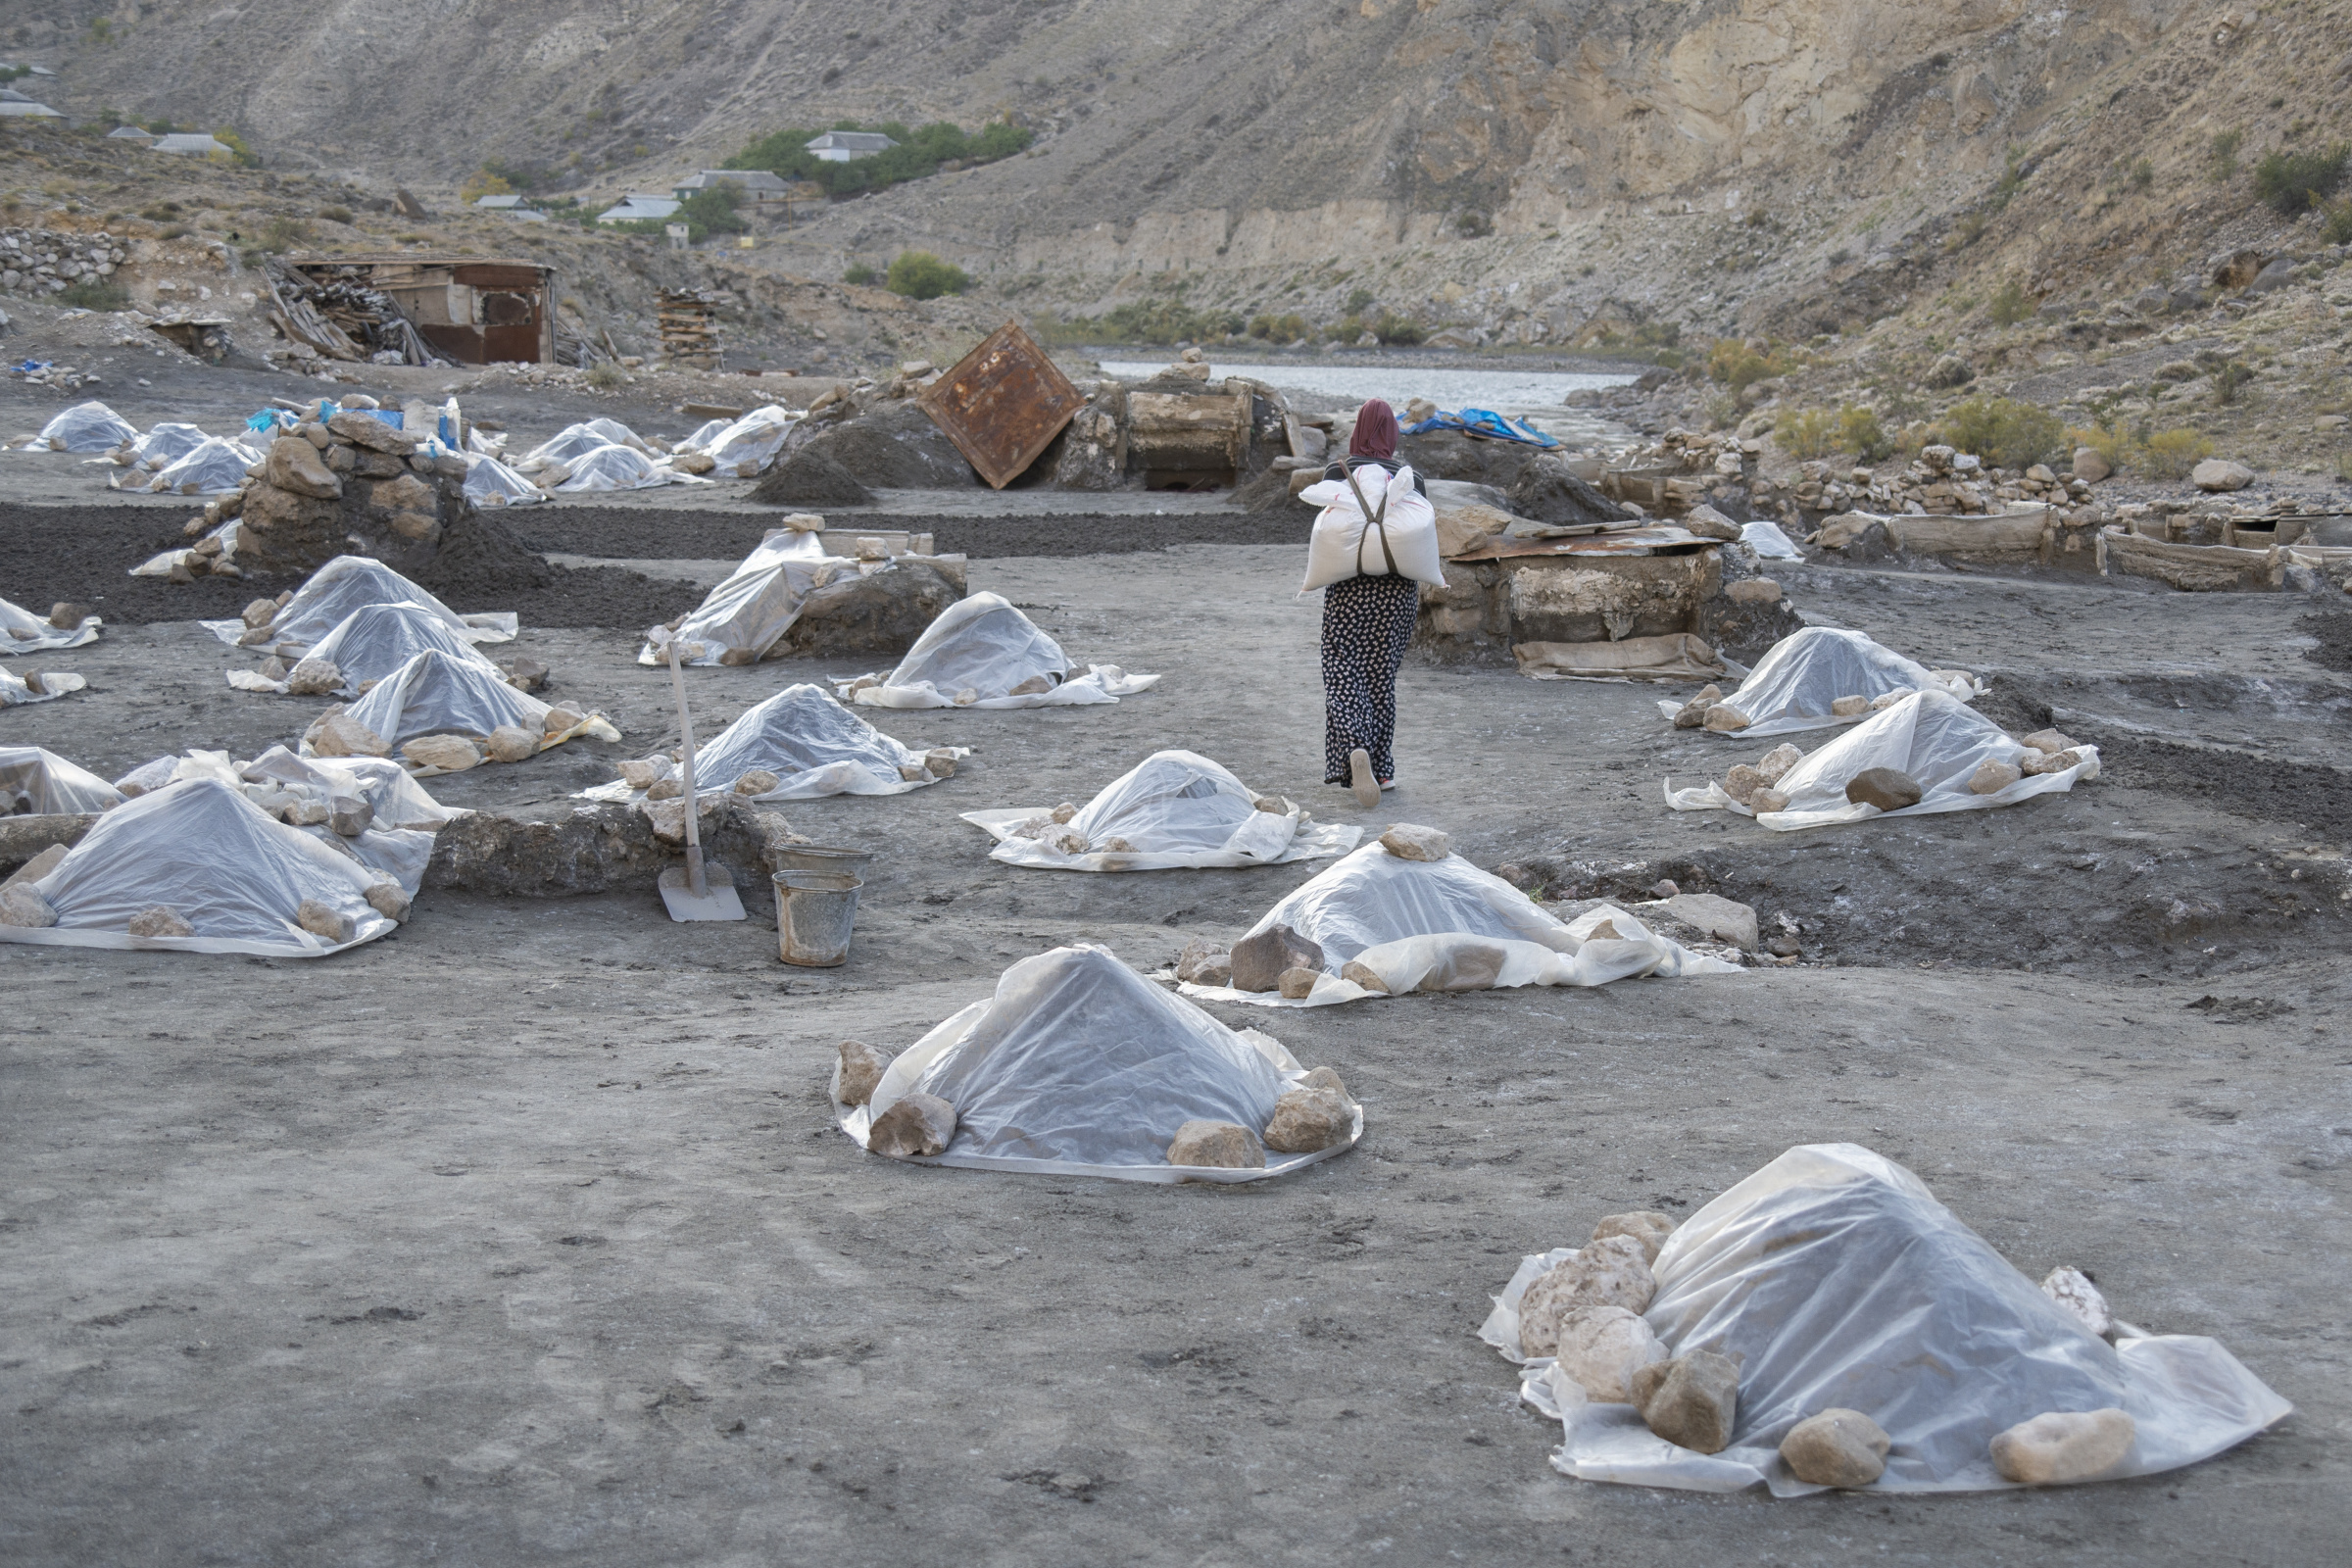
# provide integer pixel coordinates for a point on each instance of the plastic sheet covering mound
(214, 467)
(1179, 810)
(575, 441)
(753, 438)
(1079, 1066)
(348, 583)
(815, 746)
(373, 643)
(85, 427)
(1837, 1281)
(233, 873)
(614, 468)
(436, 693)
(749, 614)
(1932, 736)
(24, 632)
(1793, 684)
(17, 691)
(168, 442)
(491, 483)
(40, 781)
(1446, 925)
(984, 646)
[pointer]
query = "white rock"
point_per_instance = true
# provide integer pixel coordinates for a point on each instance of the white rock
(1611, 1272)
(1602, 1347)
(1410, 841)
(857, 1069)
(158, 920)
(314, 678)
(1645, 1225)
(2050, 740)
(2063, 1445)
(1835, 1448)
(2072, 1290)
(452, 754)
(338, 734)
(1063, 812)
(512, 743)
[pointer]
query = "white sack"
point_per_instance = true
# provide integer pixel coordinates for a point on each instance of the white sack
(213, 468)
(491, 483)
(373, 643)
(1767, 541)
(439, 694)
(21, 631)
(1446, 925)
(1179, 810)
(812, 742)
(1793, 684)
(984, 646)
(1079, 1066)
(231, 871)
(749, 614)
(1932, 736)
(347, 583)
(1837, 1280)
(41, 782)
(1344, 544)
(85, 427)
(14, 692)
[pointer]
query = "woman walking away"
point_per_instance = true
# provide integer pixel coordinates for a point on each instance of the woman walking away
(1376, 536)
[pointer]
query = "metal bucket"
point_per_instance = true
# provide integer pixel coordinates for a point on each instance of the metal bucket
(815, 912)
(817, 858)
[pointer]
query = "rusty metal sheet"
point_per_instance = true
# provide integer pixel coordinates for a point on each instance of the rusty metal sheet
(1666, 539)
(1002, 404)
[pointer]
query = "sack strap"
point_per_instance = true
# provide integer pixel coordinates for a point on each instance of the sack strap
(1378, 519)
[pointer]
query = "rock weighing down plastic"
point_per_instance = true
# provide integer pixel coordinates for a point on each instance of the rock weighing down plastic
(1836, 1281)
(811, 743)
(1932, 736)
(24, 632)
(37, 686)
(1446, 925)
(1795, 682)
(749, 614)
(373, 643)
(1079, 1066)
(983, 653)
(41, 782)
(345, 584)
(1174, 809)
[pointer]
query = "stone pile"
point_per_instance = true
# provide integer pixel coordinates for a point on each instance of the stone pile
(41, 261)
(353, 485)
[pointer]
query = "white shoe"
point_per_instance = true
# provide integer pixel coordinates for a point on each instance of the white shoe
(1360, 781)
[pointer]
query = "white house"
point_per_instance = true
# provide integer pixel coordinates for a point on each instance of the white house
(14, 105)
(132, 133)
(638, 206)
(755, 184)
(844, 146)
(191, 144)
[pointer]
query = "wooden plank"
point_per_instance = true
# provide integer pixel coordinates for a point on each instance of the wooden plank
(1002, 404)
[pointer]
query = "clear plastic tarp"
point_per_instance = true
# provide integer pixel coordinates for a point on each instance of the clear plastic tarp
(436, 693)
(491, 483)
(983, 653)
(750, 612)
(41, 782)
(1793, 684)
(1767, 541)
(373, 643)
(752, 439)
(166, 442)
(348, 583)
(214, 467)
(85, 427)
(201, 849)
(612, 468)
(24, 632)
(1079, 1066)
(1837, 1281)
(38, 687)
(1446, 925)
(1173, 810)
(815, 746)
(1932, 736)
(576, 441)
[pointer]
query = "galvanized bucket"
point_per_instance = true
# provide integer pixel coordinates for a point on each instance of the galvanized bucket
(818, 858)
(815, 912)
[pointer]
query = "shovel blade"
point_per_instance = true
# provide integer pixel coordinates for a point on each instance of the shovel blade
(718, 903)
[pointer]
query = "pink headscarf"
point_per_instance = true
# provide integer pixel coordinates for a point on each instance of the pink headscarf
(1375, 431)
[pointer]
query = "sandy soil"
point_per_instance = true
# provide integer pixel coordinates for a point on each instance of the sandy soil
(524, 1236)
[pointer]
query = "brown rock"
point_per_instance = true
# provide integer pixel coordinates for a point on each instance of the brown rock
(2063, 1445)
(1887, 787)
(914, 1126)
(1295, 984)
(512, 743)
(1691, 1400)
(1742, 782)
(406, 493)
(1327, 1078)
(314, 678)
(261, 612)
(372, 435)
(759, 781)
(337, 734)
(1835, 1448)
(1723, 720)
(559, 719)
(325, 921)
(1063, 812)
(1217, 1144)
(1613, 1271)
(1410, 841)
(23, 907)
(2049, 740)
(857, 1067)
(1203, 964)
(1849, 706)
(68, 617)
(1992, 776)
(416, 527)
(374, 465)
(451, 754)
(1309, 1120)
(1753, 591)
(1370, 981)
(1694, 712)
(389, 899)
(294, 464)
(2090, 467)
(2035, 763)
(1764, 800)
(158, 920)
(1600, 1348)
(1776, 764)
(1645, 1225)
(1259, 961)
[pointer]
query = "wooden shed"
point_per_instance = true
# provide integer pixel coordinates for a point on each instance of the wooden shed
(474, 310)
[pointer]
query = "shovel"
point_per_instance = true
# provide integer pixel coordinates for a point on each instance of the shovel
(698, 892)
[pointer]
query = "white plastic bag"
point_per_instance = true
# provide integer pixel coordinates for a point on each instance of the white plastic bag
(1344, 544)
(1767, 541)
(575, 441)
(1932, 736)
(345, 584)
(750, 613)
(1793, 684)
(36, 780)
(166, 442)
(985, 646)
(24, 632)
(1079, 1066)
(752, 439)
(1177, 810)
(1837, 1280)
(15, 692)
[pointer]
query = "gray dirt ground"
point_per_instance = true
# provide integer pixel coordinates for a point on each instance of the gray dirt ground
(524, 1236)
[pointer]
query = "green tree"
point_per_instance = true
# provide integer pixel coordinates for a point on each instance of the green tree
(922, 276)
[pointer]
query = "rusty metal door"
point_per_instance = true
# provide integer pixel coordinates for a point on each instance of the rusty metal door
(1002, 404)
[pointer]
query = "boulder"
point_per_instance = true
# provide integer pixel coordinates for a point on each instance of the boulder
(2072, 1290)
(759, 781)
(512, 743)
(884, 612)
(1203, 964)
(558, 720)
(1764, 800)
(66, 615)
(158, 920)
(1992, 776)
(323, 920)
(1752, 591)
(314, 678)
(1835, 1448)
(1725, 719)
(1775, 763)
(2090, 467)
(1601, 1347)
(337, 734)
(1742, 781)
(1410, 841)
(2035, 763)
(1296, 985)
(21, 905)
(1887, 787)
(1307, 1120)
(451, 754)
(1613, 1271)
(1708, 523)
(1693, 713)
(349, 815)
(370, 434)
(261, 612)
(857, 1069)
(2220, 474)
(2063, 1445)
(2050, 740)
(811, 477)
(1257, 961)
(293, 464)
(914, 1125)
(1645, 1225)
(389, 899)
(1691, 1401)
(1369, 979)
(1218, 1144)
(1849, 706)
(1328, 1078)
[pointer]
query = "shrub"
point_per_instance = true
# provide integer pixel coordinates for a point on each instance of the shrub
(606, 376)
(483, 182)
(1812, 433)
(238, 152)
(922, 276)
(2141, 176)
(2011, 304)
(2171, 454)
(1360, 300)
(335, 215)
(2223, 154)
(1395, 330)
(2288, 182)
(2336, 224)
(2227, 379)
(861, 273)
(2108, 440)
(284, 234)
(98, 294)
(1738, 365)
(1860, 433)
(2005, 433)
(712, 212)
